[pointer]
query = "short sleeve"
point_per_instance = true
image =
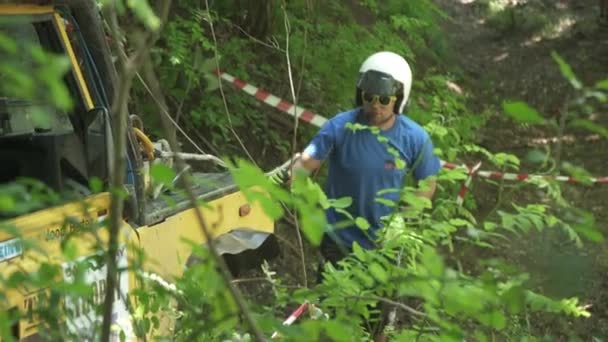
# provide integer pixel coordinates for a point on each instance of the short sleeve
(322, 143)
(426, 163)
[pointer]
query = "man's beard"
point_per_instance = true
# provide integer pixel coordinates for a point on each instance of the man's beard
(376, 120)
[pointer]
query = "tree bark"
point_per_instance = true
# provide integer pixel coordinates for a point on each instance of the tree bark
(260, 18)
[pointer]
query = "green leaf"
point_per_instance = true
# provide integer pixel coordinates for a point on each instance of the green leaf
(70, 250)
(386, 202)
(7, 203)
(341, 203)
(480, 336)
(144, 12)
(338, 331)
(363, 277)
(209, 65)
(358, 252)
(400, 163)
(566, 71)
(362, 223)
(458, 222)
(313, 220)
(578, 172)
(495, 319)
(590, 232)
(211, 82)
(602, 84)
(378, 272)
(162, 174)
(96, 185)
(591, 126)
(522, 112)
(536, 156)
(433, 262)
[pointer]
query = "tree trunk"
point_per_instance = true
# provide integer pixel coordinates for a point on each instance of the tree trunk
(260, 17)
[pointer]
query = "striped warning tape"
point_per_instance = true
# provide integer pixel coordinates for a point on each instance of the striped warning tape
(292, 318)
(318, 120)
(524, 176)
(466, 184)
(274, 101)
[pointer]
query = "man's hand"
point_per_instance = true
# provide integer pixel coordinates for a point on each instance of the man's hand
(281, 178)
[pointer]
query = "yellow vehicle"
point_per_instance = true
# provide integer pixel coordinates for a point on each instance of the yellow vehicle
(76, 147)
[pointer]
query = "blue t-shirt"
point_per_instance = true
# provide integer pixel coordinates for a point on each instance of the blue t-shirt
(360, 166)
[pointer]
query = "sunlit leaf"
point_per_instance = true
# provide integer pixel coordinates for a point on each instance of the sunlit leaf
(522, 112)
(362, 223)
(342, 203)
(566, 71)
(378, 272)
(313, 223)
(494, 319)
(458, 222)
(144, 12)
(7, 203)
(602, 84)
(95, 184)
(591, 126)
(358, 252)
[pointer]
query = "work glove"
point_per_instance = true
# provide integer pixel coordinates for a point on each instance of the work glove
(281, 178)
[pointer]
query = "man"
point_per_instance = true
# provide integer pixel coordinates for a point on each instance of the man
(360, 164)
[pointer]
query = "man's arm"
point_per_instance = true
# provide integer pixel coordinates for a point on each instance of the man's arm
(307, 162)
(302, 163)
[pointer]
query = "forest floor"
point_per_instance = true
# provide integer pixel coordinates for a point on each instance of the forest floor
(508, 57)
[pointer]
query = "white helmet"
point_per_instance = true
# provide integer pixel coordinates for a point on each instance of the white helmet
(385, 73)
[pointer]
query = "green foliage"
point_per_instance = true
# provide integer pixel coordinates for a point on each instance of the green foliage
(141, 8)
(421, 261)
(523, 113)
(30, 73)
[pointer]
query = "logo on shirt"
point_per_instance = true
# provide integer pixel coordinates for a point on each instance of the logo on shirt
(390, 165)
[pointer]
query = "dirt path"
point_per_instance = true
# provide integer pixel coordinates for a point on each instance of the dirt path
(513, 61)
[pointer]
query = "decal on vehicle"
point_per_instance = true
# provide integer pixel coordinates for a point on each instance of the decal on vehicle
(85, 313)
(10, 249)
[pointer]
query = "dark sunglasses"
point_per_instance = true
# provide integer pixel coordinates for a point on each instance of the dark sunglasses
(382, 99)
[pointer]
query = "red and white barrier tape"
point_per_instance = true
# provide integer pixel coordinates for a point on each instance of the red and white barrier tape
(274, 101)
(318, 120)
(466, 184)
(292, 318)
(523, 176)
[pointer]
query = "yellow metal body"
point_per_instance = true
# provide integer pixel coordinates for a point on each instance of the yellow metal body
(42, 233)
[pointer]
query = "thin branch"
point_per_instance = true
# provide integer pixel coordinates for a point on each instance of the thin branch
(181, 103)
(120, 106)
(405, 307)
(560, 133)
(217, 67)
(273, 46)
(294, 140)
(262, 279)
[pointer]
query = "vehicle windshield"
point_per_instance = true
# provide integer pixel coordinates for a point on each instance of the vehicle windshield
(26, 78)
